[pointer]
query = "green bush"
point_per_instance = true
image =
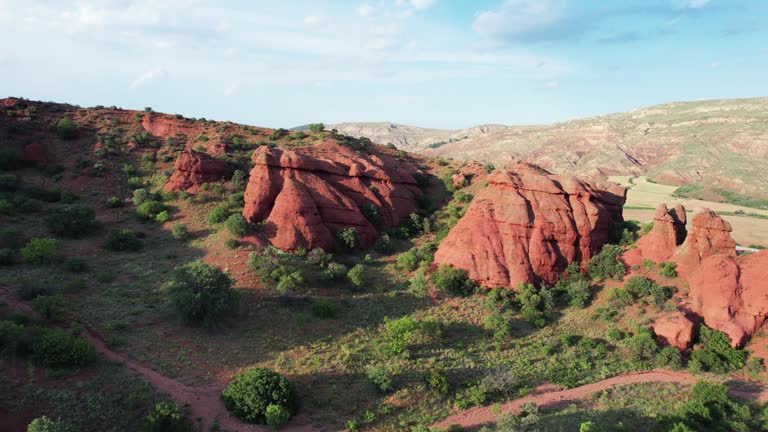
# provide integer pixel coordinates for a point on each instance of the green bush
(10, 159)
(123, 240)
(250, 394)
(139, 196)
(535, 303)
(714, 353)
(40, 250)
(7, 256)
(45, 424)
(57, 348)
(668, 269)
(277, 415)
(407, 261)
(418, 285)
(323, 308)
(436, 380)
(114, 202)
(231, 244)
(335, 272)
(202, 295)
(43, 194)
(289, 280)
(11, 334)
(383, 244)
(167, 417)
(316, 127)
(639, 287)
(452, 280)
(218, 215)
(319, 257)
(237, 225)
(6, 207)
(238, 178)
(642, 345)
(578, 293)
(51, 308)
(710, 409)
(607, 264)
(162, 217)
(398, 335)
(498, 323)
(150, 209)
(180, 232)
(380, 377)
(347, 237)
(71, 221)
(9, 182)
(66, 129)
(358, 276)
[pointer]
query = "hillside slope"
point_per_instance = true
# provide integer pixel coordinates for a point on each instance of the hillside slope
(717, 144)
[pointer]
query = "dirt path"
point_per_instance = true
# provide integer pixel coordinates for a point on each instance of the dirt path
(204, 401)
(550, 396)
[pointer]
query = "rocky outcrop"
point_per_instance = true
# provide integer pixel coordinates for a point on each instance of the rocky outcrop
(710, 235)
(192, 169)
(528, 225)
(731, 294)
(308, 194)
(674, 330)
(660, 243)
(459, 180)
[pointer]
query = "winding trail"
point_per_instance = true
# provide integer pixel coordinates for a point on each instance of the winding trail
(206, 405)
(204, 402)
(550, 396)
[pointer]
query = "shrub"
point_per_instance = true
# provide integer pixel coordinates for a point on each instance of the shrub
(6, 207)
(288, 281)
(607, 264)
(639, 287)
(323, 308)
(316, 127)
(250, 394)
(218, 215)
(231, 244)
(380, 377)
(407, 261)
(162, 217)
(668, 269)
(335, 271)
(123, 240)
(114, 202)
(43, 194)
(500, 381)
(319, 257)
(202, 295)
(10, 159)
(398, 334)
(578, 293)
(437, 381)
(383, 244)
(66, 129)
(714, 353)
(139, 196)
(357, 275)
(6, 256)
(497, 322)
(180, 232)
(150, 209)
(535, 303)
(51, 308)
(57, 348)
(11, 334)
(453, 280)
(9, 182)
(39, 250)
(642, 345)
(10, 238)
(347, 237)
(710, 409)
(167, 417)
(71, 221)
(669, 357)
(237, 225)
(277, 415)
(418, 285)
(263, 264)
(45, 424)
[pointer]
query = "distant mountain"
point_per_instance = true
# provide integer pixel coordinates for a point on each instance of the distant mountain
(716, 144)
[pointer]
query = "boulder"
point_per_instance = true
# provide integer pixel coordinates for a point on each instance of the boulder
(308, 194)
(528, 225)
(674, 330)
(459, 180)
(731, 295)
(709, 235)
(660, 243)
(192, 169)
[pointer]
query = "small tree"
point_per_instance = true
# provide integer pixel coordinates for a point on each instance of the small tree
(347, 237)
(250, 395)
(66, 129)
(180, 232)
(52, 308)
(40, 250)
(237, 225)
(45, 424)
(357, 275)
(607, 264)
(71, 221)
(218, 215)
(317, 127)
(123, 240)
(57, 348)
(202, 295)
(453, 280)
(167, 417)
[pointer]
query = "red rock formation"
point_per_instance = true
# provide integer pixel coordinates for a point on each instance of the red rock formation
(308, 194)
(35, 154)
(528, 225)
(731, 294)
(660, 243)
(709, 235)
(164, 126)
(675, 330)
(192, 169)
(459, 180)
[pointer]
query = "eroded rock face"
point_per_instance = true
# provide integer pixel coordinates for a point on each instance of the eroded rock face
(710, 234)
(660, 243)
(528, 225)
(731, 294)
(675, 330)
(192, 169)
(308, 194)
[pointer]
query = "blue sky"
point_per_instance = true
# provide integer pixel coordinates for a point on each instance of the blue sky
(434, 63)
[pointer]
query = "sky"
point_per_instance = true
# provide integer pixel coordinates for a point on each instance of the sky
(431, 63)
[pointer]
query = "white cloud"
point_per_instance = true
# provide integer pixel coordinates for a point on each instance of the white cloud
(552, 84)
(518, 17)
(312, 19)
(365, 10)
(233, 88)
(714, 64)
(422, 4)
(149, 76)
